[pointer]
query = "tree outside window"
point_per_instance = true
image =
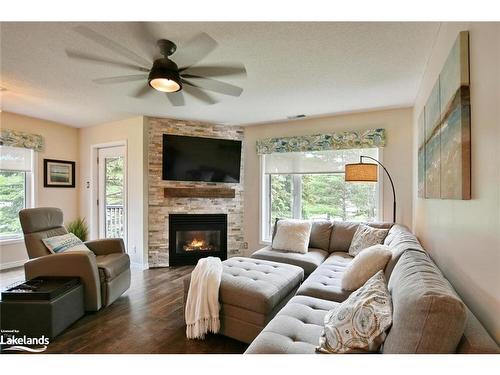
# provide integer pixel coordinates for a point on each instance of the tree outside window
(12, 200)
(316, 189)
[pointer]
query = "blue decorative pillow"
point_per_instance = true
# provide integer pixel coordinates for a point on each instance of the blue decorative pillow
(66, 242)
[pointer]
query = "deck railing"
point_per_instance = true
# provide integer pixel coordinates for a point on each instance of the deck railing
(114, 221)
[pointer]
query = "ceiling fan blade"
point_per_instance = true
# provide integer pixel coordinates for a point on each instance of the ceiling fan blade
(194, 50)
(199, 94)
(213, 85)
(215, 70)
(102, 60)
(120, 79)
(148, 38)
(111, 45)
(142, 91)
(175, 98)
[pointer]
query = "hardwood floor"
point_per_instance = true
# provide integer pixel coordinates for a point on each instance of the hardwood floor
(148, 318)
(11, 276)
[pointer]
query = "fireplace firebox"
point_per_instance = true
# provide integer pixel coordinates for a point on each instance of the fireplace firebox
(195, 236)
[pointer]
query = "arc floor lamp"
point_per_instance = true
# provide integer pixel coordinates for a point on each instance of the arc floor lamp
(368, 172)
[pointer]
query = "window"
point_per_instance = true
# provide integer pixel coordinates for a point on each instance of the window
(310, 185)
(16, 181)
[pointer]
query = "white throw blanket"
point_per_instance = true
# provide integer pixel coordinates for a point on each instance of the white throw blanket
(202, 305)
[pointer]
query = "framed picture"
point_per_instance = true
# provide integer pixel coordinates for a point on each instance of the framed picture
(58, 173)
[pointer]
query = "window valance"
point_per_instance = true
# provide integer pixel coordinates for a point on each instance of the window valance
(15, 138)
(334, 141)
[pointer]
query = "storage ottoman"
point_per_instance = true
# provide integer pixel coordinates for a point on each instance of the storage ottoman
(252, 291)
(54, 305)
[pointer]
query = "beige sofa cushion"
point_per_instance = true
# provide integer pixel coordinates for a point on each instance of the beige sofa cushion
(325, 282)
(321, 231)
(295, 329)
(428, 316)
(308, 262)
(366, 264)
(343, 232)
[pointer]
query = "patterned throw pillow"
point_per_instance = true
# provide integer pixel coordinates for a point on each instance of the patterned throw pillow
(366, 236)
(359, 324)
(66, 242)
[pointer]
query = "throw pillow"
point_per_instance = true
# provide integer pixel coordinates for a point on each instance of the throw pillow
(366, 236)
(66, 242)
(359, 324)
(292, 235)
(366, 264)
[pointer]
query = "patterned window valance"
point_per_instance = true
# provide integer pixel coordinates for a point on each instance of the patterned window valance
(322, 142)
(15, 138)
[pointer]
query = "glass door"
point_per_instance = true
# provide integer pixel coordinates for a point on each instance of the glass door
(112, 193)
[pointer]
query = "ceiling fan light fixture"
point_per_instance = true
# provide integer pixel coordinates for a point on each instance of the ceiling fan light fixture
(164, 85)
(164, 76)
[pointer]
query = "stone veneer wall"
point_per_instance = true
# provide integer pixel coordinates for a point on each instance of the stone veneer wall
(160, 207)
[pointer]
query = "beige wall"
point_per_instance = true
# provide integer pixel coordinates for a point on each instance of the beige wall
(397, 157)
(132, 131)
(61, 142)
(463, 236)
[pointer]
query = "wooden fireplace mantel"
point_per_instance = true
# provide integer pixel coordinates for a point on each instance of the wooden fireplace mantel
(199, 192)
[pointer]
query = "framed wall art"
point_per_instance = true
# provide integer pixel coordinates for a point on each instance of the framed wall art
(58, 173)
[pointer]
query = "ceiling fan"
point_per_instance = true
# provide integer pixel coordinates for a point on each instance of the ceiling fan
(164, 74)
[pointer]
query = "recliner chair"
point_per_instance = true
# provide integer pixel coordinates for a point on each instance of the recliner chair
(104, 272)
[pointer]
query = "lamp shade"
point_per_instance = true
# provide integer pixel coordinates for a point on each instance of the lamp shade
(361, 172)
(164, 76)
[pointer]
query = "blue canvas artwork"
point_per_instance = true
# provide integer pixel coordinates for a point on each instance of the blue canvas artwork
(444, 168)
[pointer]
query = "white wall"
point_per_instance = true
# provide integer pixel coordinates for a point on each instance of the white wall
(133, 132)
(61, 142)
(397, 157)
(463, 236)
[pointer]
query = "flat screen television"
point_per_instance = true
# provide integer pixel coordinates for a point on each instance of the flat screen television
(201, 159)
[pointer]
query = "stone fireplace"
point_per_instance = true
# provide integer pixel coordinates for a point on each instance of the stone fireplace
(192, 237)
(162, 250)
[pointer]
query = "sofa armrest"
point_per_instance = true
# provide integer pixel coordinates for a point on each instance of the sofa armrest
(476, 339)
(106, 246)
(80, 264)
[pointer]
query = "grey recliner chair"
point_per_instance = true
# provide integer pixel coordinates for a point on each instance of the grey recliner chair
(104, 272)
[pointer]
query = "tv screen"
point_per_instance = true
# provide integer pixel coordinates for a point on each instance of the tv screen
(200, 159)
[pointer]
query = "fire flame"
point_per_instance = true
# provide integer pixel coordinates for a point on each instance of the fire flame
(197, 243)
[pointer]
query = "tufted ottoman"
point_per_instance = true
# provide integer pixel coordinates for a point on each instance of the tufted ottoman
(251, 292)
(295, 330)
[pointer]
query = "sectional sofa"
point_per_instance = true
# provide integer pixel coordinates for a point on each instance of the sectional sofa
(428, 315)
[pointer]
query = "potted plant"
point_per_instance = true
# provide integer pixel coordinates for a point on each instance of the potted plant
(79, 228)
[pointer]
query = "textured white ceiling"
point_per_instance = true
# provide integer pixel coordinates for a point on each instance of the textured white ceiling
(293, 68)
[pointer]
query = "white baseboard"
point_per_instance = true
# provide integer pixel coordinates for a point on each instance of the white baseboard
(18, 263)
